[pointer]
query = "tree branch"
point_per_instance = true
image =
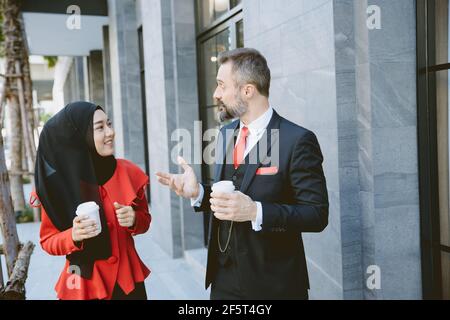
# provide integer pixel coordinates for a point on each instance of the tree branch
(15, 288)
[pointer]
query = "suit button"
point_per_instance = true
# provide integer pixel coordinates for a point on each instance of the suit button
(112, 260)
(110, 225)
(234, 178)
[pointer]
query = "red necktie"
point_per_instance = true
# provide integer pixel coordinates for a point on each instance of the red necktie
(239, 149)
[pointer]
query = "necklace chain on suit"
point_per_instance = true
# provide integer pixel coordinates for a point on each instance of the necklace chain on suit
(228, 240)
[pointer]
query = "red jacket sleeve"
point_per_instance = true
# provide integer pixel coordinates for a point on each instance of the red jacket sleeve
(53, 241)
(143, 217)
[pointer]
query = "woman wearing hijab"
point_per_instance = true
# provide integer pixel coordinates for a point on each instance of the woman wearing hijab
(75, 164)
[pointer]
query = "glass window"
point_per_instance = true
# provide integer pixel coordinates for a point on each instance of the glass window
(240, 34)
(443, 144)
(206, 12)
(209, 118)
(211, 10)
(211, 49)
(434, 120)
(441, 31)
(234, 3)
(220, 8)
(442, 125)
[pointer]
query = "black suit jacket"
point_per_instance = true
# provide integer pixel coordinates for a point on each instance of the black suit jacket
(272, 262)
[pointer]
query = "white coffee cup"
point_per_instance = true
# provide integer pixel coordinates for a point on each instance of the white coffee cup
(223, 187)
(90, 210)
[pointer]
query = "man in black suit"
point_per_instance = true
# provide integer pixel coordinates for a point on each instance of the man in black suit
(255, 242)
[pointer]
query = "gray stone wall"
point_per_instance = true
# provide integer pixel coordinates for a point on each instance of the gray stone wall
(69, 85)
(386, 98)
(125, 83)
(74, 84)
(96, 80)
(349, 156)
(172, 103)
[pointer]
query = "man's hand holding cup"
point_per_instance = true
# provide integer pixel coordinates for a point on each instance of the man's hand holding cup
(230, 205)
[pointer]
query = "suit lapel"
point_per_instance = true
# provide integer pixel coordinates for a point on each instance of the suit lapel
(224, 143)
(271, 136)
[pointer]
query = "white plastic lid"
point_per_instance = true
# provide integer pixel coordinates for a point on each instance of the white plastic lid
(87, 206)
(224, 185)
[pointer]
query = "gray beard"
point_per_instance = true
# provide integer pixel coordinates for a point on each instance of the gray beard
(226, 113)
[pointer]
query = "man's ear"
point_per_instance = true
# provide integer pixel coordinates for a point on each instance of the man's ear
(249, 91)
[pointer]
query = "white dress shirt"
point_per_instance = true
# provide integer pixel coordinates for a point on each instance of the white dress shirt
(256, 131)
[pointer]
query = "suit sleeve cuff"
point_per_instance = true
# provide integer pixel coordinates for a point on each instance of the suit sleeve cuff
(198, 202)
(257, 224)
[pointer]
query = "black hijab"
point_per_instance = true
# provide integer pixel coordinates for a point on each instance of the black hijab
(68, 172)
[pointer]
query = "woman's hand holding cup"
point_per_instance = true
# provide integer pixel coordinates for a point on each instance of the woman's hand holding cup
(84, 228)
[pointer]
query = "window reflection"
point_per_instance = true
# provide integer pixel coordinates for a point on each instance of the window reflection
(234, 3)
(240, 34)
(211, 10)
(442, 31)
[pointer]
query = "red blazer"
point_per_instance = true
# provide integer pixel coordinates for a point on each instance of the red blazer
(124, 267)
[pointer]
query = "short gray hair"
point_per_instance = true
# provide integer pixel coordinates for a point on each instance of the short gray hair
(250, 67)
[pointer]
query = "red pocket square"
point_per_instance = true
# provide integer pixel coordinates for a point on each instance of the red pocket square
(267, 171)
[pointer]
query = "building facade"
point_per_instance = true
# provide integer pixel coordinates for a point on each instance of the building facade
(361, 74)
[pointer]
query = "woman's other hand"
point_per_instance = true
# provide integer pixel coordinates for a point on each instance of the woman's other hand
(125, 215)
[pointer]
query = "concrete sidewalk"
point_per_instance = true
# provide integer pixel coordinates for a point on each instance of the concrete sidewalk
(171, 279)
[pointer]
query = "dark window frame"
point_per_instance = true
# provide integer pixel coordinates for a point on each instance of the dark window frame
(144, 105)
(431, 245)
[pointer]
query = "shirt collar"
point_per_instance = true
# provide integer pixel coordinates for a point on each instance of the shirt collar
(259, 125)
